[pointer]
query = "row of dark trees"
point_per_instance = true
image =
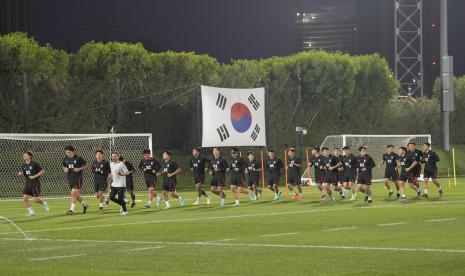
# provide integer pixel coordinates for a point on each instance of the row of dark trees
(159, 93)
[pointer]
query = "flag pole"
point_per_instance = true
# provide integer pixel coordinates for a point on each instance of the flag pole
(263, 171)
(285, 170)
(308, 171)
(453, 165)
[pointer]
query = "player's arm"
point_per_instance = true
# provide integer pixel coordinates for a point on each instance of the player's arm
(414, 163)
(65, 168)
(84, 166)
(124, 170)
(298, 163)
(259, 167)
(177, 171)
(141, 166)
(39, 174)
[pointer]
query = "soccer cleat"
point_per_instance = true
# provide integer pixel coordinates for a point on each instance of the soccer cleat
(418, 193)
(425, 195)
(167, 207)
(370, 201)
(107, 202)
(120, 210)
(398, 195)
(70, 212)
(279, 195)
(440, 192)
(100, 208)
(45, 205)
(352, 198)
(196, 202)
(31, 214)
(209, 200)
(390, 194)
(403, 199)
(250, 196)
(324, 197)
(148, 205)
(133, 204)
(158, 201)
(236, 204)
(84, 208)
(181, 201)
(124, 213)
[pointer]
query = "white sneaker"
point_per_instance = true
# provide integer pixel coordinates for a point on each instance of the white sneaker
(196, 203)
(167, 207)
(45, 205)
(124, 213)
(236, 204)
(209, 201)
(31, 214)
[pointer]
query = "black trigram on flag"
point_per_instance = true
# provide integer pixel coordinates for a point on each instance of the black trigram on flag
(223, 132)
(254, 102)
(221, 101)
(255, 132)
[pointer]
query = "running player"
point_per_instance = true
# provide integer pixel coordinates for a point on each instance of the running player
(293, 174)
(390, 173)
(331, 165)
(237, 166)
(32, 171)
(150, 167)
(365, 166)
(349, 161)
(430, 158)
(218, 168)
(253, 174)
(273, 166)
(407, 163)
(129, 180)
(118, 182)
(198, 167)
(340, 174)
(73, 165)
(101, 170)
(169, 171)
(417, 155)
(317, 162)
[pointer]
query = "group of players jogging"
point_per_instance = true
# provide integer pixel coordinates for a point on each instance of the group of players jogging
(333, 173)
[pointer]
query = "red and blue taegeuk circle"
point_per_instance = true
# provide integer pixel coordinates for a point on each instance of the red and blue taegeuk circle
(241, 118)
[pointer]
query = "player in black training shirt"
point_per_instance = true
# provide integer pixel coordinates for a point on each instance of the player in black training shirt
(198, 167)
(390, 173)
(253, 173)
(365, 166)
(340, 174)
(150, 167)
(349, 162)
(431, 170)
(129, 180)
(100, 170)
(273, 166)
(32, 171)
(331, 165)
(218, 168)
(73, 165)
(417, 155)
(406, 162)
(169, 171)
(293, 174)
(237, 166)
(317, 162)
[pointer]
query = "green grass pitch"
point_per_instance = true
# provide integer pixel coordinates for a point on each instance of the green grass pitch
(421, 237)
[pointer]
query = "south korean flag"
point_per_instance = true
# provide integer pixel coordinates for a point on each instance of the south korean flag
(233, 117)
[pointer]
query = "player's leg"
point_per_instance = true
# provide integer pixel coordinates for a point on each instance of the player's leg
(387, 183)
(402, 185)
(221, 192)
(234, 195)
(368, 191)
(198, 191)
(121, 191)
(434, 179)
(27, 192)
(425, 184)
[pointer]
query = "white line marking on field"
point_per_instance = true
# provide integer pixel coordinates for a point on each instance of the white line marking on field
(240, 216)
(438, 220)
(341, 228)
(56, 257)
(391, 224)
(225, 240)
(279, 234)
(143, 248)
(257, 245)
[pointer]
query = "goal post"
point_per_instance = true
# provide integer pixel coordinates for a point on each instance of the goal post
(375, 144)
(48, 150)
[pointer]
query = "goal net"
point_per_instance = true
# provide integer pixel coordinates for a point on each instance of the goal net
(375, 144)
(49, 150)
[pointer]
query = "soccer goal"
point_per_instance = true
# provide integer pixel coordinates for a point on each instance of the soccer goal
(375, 144)
(48, 150)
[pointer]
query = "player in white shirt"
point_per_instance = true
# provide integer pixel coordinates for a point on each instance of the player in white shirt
(118, 182)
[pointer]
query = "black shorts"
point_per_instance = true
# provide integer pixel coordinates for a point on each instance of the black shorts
(32, 189)
(391, 174)
(170, 187)
(273, 180)
(217, 181)
(237, 180)
(100, 187)
(75, 183)
(293, 179)
(331, 178)
(129, 184)
(406, 177)
(416, 171)
(430, 173)
(349, 176)
(199, 178)
(364, 180)
(252, 180)
(319, 177)
(150, 180)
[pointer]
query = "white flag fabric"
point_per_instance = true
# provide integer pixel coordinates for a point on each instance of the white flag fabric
(233, 117)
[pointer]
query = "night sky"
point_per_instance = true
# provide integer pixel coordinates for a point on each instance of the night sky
(225, 29)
